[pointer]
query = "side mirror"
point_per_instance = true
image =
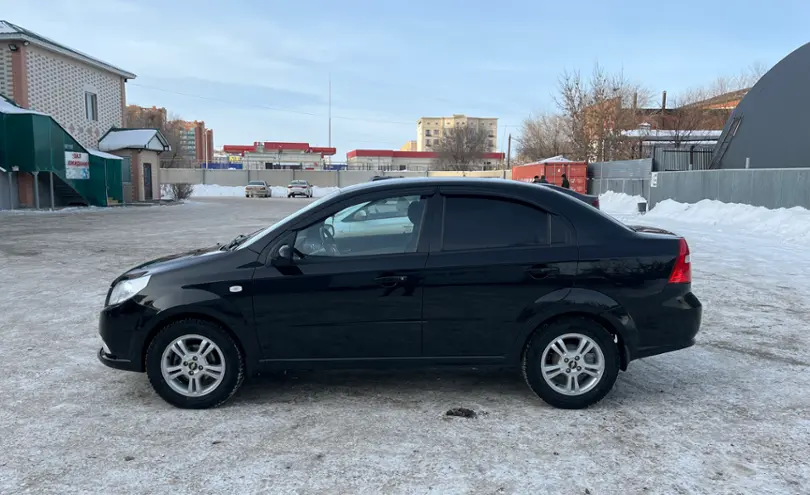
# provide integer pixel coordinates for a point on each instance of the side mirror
(284, 256)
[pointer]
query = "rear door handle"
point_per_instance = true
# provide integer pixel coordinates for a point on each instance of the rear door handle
(391, 281)
(542, 271)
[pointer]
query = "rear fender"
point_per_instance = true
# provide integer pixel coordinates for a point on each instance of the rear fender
(577, 301)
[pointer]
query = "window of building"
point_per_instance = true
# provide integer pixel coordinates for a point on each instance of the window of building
(427, 132)
(485, 223)
(91, 106)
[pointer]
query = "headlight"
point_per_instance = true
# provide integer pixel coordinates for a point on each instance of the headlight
(125, 289)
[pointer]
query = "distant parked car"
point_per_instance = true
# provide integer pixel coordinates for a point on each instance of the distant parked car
(477, 273)
(257, 189)
(299, 188)
(585, 198)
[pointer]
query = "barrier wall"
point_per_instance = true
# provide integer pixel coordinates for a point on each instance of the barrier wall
(322, 178)
(771, 188)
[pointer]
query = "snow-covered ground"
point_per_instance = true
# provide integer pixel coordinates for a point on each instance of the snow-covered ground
(215, 190)
(730, 415)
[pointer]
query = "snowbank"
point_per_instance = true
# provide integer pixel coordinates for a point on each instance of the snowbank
(787, 223)
(620, 203)
(215, 190)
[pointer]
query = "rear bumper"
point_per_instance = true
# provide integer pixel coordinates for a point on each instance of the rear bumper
(676, 325)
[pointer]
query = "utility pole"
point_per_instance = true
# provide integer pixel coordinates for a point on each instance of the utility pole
(330, 110)
(330, 116)
(509, 151)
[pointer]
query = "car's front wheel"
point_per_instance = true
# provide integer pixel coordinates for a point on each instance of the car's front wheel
(194, 364)
(571, 363)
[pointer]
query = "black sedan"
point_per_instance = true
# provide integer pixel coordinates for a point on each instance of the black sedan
(410, 273)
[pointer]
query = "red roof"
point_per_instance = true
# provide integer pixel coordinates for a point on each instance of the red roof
(408, 154)
(277, 146)
(274, 145)
(238, 148)
(323, 150)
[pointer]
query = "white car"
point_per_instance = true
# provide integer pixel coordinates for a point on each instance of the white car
(257, 189)
(385, 216)
(299, 188)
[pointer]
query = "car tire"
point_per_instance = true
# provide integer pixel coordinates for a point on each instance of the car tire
(221, 352)
(571, 388)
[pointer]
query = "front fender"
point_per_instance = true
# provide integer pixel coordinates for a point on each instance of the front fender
(576, 301)
(191, 302)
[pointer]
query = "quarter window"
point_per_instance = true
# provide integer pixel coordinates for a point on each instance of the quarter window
(484, 223)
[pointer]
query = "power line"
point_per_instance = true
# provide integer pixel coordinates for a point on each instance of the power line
(264, 107)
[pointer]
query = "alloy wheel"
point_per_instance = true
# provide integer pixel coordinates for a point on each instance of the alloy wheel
(572, 364)
(193, 365)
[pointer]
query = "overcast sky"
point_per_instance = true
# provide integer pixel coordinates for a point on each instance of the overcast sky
(259, 70)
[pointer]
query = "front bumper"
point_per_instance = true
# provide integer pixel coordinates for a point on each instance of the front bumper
(123, 336)
(115, 362)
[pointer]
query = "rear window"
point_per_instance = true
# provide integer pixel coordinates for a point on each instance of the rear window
(299, 183)
(256, 183)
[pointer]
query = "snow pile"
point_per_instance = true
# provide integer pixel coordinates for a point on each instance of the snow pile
(619, 203)
(788, 223)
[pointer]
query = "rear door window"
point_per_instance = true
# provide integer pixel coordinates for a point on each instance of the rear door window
(487, 223)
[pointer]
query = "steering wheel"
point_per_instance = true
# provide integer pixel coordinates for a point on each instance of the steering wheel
(327, 233)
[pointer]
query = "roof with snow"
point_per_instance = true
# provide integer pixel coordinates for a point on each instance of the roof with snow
(12, 32)
(103, 155)
(555, 159)
(134, 139)
(667, 135)
(9, 107)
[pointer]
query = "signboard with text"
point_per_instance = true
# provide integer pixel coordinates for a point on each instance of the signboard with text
(77, 165)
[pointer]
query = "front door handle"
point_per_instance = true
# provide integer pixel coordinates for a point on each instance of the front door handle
(542, 271)
(391, 281)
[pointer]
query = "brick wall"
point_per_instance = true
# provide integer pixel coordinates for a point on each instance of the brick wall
(57, 86)
(6, 84)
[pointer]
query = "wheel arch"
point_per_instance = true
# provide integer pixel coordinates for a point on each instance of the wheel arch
(168, 318)
(581, 303)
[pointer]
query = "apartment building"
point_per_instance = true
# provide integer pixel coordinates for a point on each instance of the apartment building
(196, 141)
(85, 95)
(429, 130)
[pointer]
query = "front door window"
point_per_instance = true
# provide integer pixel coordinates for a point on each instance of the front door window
(383, 226)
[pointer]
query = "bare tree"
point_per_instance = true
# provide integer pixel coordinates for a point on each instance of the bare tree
(597, 109)
(544, 136)
(170, 127)
(460, 148)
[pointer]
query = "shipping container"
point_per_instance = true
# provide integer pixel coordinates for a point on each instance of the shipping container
(577, 173)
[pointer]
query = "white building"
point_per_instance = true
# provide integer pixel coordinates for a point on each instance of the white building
(84, 95)
(409, 160)
(429, 130)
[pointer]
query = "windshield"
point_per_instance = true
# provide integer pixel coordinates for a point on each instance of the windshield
(289, 218)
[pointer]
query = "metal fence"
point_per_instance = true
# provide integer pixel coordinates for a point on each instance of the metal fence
(771, 188)
(686, 157)
(624, 176)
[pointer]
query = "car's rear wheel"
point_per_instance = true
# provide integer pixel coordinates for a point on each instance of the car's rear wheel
(571, 363)
(194, 364)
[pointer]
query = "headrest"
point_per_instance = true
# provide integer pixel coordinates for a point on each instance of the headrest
(415, 210)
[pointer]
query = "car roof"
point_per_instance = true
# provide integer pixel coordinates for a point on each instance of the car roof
(407, 182)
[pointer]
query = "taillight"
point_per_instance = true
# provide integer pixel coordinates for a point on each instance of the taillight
(596, 203)
(682, 271)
